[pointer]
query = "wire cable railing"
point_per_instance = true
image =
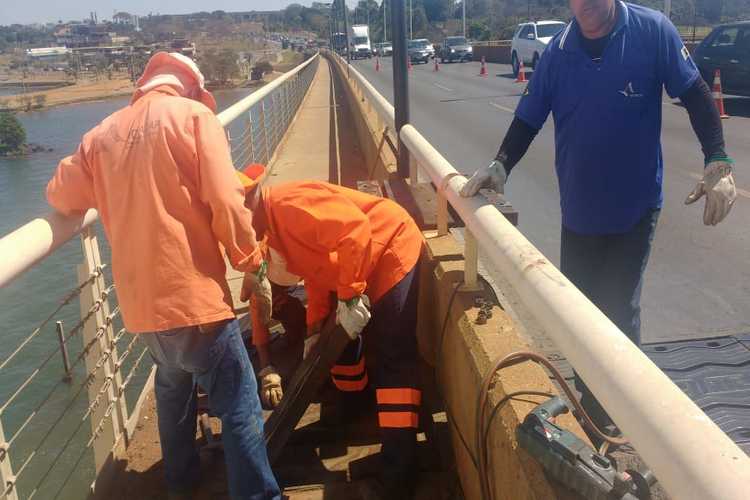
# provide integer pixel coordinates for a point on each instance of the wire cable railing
(267, 115)
(110, 367)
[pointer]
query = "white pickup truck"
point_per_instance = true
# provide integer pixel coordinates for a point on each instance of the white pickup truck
(530, 41)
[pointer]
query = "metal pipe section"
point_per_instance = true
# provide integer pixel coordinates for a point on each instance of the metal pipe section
(400, 80)
(235, 110)
(32, 242)
(689, 454)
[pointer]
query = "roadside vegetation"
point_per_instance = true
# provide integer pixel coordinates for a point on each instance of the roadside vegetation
(491, 19)
(12, 134)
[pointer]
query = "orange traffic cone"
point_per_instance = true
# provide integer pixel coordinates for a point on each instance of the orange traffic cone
(437, 68)
(408, 63)
(377, 64)
(483, 70)
(718, 95)
(521, 74)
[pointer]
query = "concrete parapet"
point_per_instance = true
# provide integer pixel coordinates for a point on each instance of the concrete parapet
(463, 351)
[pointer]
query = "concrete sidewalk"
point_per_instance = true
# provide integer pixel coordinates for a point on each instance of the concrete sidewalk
(308, 151)
(321, 138)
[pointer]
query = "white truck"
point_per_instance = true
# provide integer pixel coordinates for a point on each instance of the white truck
(359, 41)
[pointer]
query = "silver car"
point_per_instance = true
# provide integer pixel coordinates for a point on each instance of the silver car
(420, 50)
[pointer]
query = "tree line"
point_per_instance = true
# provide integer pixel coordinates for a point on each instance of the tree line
(486, 19)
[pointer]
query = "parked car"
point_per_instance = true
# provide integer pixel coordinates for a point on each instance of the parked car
(420, 50)
(530, 41)
(384, 49)
(455, 48)
(727, 48)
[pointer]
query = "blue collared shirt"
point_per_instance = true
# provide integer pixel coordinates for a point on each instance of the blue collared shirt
(608, 117)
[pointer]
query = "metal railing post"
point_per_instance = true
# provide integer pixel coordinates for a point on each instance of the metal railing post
(413, 171)
(64, 351)
(249, 128)
(7, 478)
(442, 214)
(471, 260)
(265, 130)
(98, 333)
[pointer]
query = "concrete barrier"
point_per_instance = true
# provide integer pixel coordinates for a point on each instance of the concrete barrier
(495, 53)
(371, 130)
(463, 352)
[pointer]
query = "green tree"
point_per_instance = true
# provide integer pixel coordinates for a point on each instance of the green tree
(226, 66)
(436, 10)
(478, 31)
(40, 100)
(12, 133)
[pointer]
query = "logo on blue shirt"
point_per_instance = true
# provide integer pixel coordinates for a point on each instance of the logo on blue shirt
(629, 92)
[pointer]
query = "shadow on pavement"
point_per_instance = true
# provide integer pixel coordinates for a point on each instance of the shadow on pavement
(737, 106)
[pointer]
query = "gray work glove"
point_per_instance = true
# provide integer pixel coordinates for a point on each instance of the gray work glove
(353, 315)
(270, 387)
(492, 176)
(718, 187)
(256, 285)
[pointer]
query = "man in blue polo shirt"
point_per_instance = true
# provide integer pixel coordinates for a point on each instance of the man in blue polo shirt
(602, 79)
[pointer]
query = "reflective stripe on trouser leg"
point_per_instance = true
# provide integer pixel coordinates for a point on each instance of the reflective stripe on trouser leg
(349, 374)
(398, 408)
(393, 327)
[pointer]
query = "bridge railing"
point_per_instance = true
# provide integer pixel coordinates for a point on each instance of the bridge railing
(689, 454)
(63, 401)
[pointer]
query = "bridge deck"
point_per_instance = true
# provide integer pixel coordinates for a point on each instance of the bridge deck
(327, 457)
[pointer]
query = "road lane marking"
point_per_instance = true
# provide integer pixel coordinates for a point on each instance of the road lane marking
(475, 98)
(502, 108)
(442, 87)
(740, 192)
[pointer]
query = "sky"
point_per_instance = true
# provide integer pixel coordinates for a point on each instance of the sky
(44, 11)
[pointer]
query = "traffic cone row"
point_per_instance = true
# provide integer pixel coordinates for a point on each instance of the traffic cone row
(521, 74)
(719, 96)
(483, 69)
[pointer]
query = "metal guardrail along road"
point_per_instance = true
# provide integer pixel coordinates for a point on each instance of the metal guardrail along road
(689, 454)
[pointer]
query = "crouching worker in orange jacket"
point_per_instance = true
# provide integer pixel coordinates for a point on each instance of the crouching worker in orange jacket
(365, 250)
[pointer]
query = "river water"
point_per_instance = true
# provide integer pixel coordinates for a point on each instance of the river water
(33, 296)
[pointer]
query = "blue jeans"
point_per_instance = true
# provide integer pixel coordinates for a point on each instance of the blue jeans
(609, 269)
(216, 359)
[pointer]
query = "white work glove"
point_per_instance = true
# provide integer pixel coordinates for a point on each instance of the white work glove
(718, 187)
(353, 315)
(270, 387)
(256, 285)
(492, 176)
(310, 343)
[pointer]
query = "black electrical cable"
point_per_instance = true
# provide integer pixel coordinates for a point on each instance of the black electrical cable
(438, 356)
(510, 360)
(494, 412)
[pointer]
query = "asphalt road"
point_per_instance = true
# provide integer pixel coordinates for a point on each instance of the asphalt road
(698, 279)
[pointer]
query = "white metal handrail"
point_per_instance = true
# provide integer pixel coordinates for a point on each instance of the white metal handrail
(690, 455)
(235, 110)
(23, 248)
(267, 115)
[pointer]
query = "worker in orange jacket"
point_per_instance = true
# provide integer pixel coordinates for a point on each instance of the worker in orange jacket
(363, 250)
(159, 172)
